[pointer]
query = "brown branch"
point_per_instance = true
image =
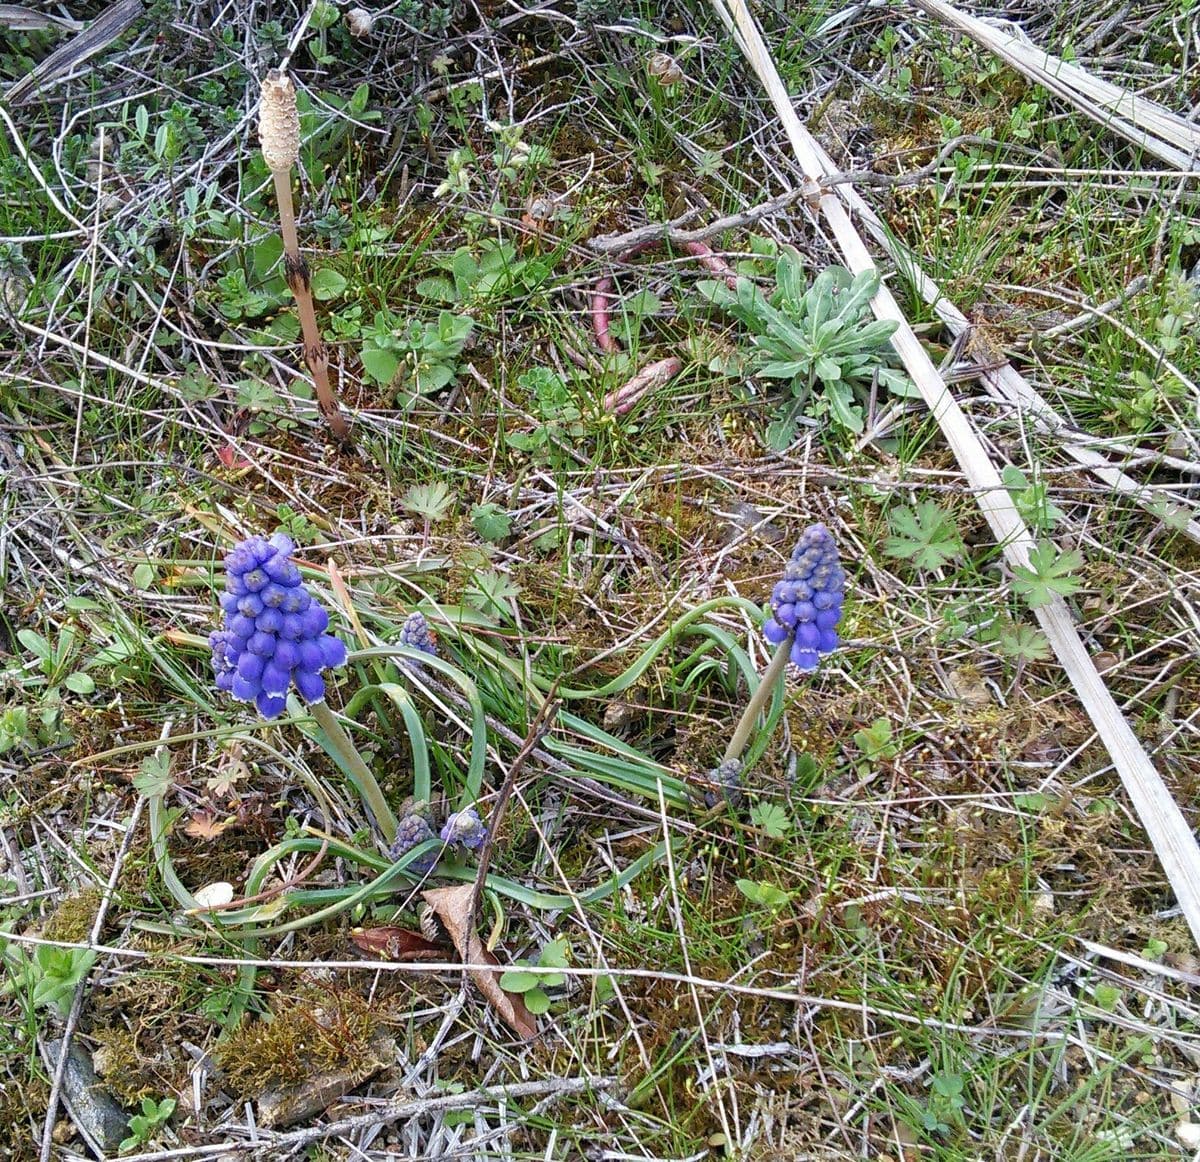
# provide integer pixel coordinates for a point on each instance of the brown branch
(671, 232)
(538, 728)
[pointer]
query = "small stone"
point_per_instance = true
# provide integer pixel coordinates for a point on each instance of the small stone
(1043, 903)
(1189, 1134)
(1180, 1093)
(96, 1115)
(360, 22)
(215, 895)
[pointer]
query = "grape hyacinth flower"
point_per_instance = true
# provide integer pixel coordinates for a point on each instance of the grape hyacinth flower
(465, 828)
(416, 634)
(274, 632)
(412, 830)
(725, 784)
(274, 637)
(807, 603)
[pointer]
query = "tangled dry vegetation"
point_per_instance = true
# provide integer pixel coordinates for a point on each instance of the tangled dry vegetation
(934, 926)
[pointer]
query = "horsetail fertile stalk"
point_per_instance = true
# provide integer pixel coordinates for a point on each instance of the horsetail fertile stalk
(279, 134)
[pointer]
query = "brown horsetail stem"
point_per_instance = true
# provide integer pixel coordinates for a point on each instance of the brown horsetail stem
(279, 135)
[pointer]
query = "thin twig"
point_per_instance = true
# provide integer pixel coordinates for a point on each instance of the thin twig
(277, 1145)
(96, 37)
(541, 723)
(672, 233)
(1090, 315)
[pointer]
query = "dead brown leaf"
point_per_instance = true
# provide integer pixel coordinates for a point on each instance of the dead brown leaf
(231, 770)
(390, 943)
(205, 826)
(453, 908)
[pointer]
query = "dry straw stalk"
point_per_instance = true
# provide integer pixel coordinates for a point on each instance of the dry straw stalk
(1155, 128)
(1160, 815)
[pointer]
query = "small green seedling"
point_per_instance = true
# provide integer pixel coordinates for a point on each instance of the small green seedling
(143, 1126)
(415, 358)
(946, 1102)
(491, 522)
(772, 819)
(1032, 500)
(876, 741)
(555, 405)
(1049, 575)
(56, 973)
(532, 985)
(497, 273)
(763, 894)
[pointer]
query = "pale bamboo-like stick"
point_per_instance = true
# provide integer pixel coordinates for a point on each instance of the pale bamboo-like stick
(279, 134)
(1157, 810)
(1155, 128)
(1005, 382)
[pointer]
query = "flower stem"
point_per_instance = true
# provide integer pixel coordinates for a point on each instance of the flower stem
(359, 773)
(299, 283)
(758, 701)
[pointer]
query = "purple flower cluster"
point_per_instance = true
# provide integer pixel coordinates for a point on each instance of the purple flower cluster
(807, 603)
(416, 634)
(725, 783)
(274, 632)
(412, 830)
(465, 828)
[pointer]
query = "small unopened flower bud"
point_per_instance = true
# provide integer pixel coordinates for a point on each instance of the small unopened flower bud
(416, 634)
(278, 122)
(360, 22)
(665, 69)
(466, 828)
(412, 830)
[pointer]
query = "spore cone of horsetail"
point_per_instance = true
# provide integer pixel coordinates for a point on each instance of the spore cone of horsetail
(279, 136)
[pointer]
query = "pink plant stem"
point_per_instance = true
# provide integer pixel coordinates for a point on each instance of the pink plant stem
(654, 375)
(602, 302)
(713, 262)
(650, 378)
(601, 316)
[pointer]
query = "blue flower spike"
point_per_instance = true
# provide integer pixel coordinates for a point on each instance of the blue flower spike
(274, 635)
(465, 829)
(806, 604)
(725, 784)
(412, 830)
(416, 634)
